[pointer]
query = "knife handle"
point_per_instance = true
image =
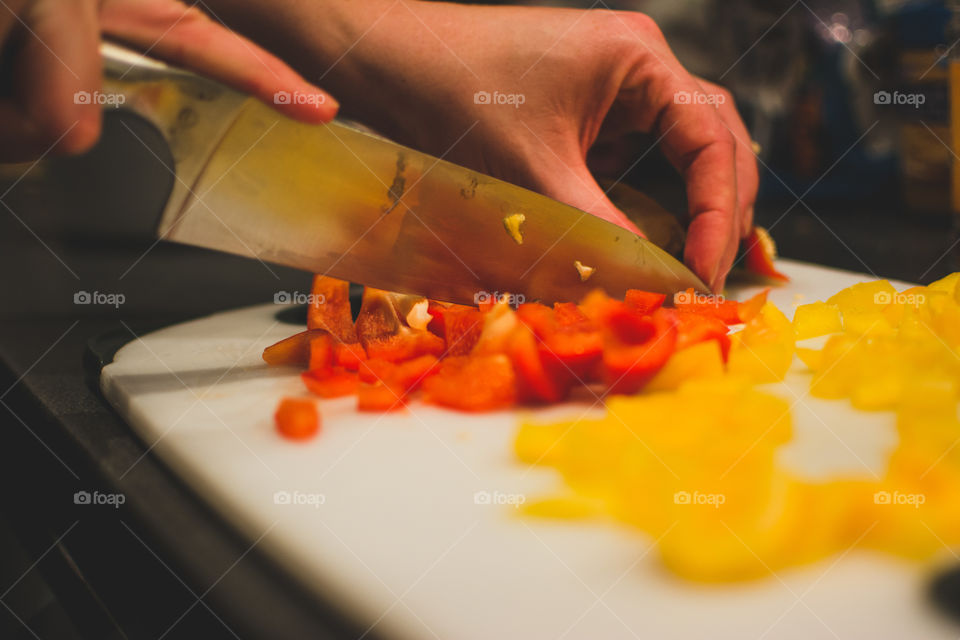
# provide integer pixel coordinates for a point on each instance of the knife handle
(190, 111)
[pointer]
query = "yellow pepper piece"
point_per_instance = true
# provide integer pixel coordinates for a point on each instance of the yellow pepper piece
(816, 319)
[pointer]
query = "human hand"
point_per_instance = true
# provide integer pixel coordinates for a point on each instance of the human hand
(52, 53)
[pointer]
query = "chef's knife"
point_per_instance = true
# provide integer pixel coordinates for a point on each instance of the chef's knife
(337, 200)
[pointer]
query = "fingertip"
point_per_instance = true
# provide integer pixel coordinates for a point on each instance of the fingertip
(83, 134)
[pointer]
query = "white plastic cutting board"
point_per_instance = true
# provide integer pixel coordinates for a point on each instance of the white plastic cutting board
(383, 516)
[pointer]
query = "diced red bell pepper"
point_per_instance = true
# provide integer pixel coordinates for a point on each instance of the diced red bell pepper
(293, 351)
(694, 327)
(709, 305)
(384, 335)
(473, 383)
(348, 356)
(297, 418)
(407, 376)
(644, 301)
(759, 252)
(330, 309)
(462, 329)
(570, 343)
(535, 383)
(380, 397)
(321, 352)
(330, 383)
(632, 358)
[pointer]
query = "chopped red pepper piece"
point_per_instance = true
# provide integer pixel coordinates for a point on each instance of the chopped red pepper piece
(331, 383)
(708, 305)
(297, 418)
(474, 383)
(631, 358)
(330, 309)
(380, 397)
(535, 383)
(321, 352)
(384, 334)
(644, 301)
(406, 376)
(694, 327)
(759, 252)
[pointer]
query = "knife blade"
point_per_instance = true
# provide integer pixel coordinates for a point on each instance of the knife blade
(337, 200)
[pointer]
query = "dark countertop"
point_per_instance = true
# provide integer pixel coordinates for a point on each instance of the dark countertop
(72, 226)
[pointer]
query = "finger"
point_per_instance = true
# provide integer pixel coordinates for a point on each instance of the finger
(186, 37)
(748, 178)
(57, 60)
(697, 143)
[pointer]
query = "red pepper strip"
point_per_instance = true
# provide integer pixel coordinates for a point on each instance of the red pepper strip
(474, 383)
(385, 336)
(294, 350)
(569, 343)
(331, 383)
(406, 376)
(628, 364)
(644, 301)
(437, 309)
(321, 352)
(534, 382)
(694, 327)
(462, 329)
(380, 397)
(330, 308)
(297, 418)
(759, 252)
(348, 356)
(717, 306)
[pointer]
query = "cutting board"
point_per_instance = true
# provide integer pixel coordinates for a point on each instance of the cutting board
(407, 521)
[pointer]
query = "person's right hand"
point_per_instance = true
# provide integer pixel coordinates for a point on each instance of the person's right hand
(428, 74)
(51, 52)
